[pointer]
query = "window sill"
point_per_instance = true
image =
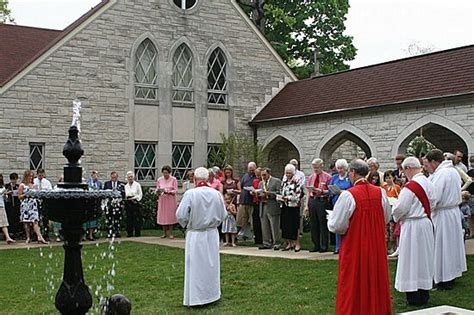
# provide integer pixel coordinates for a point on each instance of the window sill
(218, 107)
(147, 102)
(184, 105)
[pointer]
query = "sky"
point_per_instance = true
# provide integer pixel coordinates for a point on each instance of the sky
(383, 30)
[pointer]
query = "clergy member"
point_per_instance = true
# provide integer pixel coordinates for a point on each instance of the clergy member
(200, 211)
(449, 252)
(415, 268)
(360, 216)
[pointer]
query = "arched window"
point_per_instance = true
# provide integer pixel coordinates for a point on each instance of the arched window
(185, 4)
(217, 78)
(183, 75)
(146, 75)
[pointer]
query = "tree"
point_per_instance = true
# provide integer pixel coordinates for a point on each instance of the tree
(419, 146)
(5, 12)
(237, 150)
(295, 28)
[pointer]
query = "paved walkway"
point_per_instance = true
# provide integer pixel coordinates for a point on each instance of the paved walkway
(239, 250)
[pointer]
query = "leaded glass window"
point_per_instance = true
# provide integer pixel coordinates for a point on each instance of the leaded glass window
(182, 160)
(217, 78)
(183, 75)
(145, 161)
(146, 75)
(36, 156)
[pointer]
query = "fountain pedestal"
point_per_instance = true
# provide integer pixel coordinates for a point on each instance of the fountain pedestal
(72, 204)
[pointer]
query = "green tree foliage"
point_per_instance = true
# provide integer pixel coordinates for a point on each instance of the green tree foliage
(5, 12)
(296, 27)
(419, 146)
(237, 150)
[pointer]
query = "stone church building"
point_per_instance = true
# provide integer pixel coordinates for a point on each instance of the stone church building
(160, 81)
(373, 111)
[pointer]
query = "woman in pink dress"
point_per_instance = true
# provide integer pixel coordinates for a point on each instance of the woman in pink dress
(166, 188)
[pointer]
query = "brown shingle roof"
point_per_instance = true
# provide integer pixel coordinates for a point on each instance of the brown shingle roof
(440, 74)
(21, 45)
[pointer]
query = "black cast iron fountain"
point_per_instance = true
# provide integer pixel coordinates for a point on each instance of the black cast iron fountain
(72, 204)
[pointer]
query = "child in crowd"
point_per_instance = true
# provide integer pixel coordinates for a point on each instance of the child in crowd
(374, 178)
(466, 212)
(393, 190)
(229, 226)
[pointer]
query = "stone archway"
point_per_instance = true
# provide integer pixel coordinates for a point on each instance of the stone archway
(345, 141)
(442, 137)
(445, 134)
(279, 152)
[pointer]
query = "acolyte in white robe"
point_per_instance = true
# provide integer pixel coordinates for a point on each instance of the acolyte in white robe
(201, 210)
(415, 267)
(450, 254)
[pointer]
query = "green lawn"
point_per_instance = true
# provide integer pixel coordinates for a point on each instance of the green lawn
(152, 277)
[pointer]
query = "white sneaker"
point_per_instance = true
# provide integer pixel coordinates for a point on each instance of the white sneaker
(394, 254)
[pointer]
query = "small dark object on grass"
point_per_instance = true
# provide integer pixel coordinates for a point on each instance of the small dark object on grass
(117, 304)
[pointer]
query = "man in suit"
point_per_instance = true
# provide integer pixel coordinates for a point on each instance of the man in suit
(113, 211)
(270, 210)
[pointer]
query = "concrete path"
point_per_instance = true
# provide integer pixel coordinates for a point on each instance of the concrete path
(239, 250)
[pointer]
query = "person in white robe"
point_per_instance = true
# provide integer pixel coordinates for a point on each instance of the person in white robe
(201, 211)
(415, 268)
(449, 253)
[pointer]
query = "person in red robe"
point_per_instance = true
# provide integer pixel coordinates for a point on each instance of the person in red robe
(360, 216)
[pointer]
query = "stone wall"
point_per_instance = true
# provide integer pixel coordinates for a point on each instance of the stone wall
(382, 129)
(96, 62)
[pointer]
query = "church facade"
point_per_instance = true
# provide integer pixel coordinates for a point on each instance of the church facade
(160, 82)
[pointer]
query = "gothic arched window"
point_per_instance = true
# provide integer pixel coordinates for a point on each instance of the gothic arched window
(146, 75)
(183, 75)
(217, 78)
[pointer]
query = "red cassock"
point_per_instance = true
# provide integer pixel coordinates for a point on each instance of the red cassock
(363, 286)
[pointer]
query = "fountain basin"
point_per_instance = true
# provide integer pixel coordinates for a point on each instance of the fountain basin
(72, 206)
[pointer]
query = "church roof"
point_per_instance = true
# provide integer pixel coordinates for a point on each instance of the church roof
(21, 45)
(440, 74)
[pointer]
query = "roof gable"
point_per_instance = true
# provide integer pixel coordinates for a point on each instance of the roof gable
(440, 74)
(22, 45)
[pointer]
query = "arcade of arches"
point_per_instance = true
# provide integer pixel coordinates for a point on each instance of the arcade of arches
(347, 145)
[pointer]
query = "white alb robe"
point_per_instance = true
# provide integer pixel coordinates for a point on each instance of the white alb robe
(340, 217)
(201, 210)
(450, 254)
(415, 267)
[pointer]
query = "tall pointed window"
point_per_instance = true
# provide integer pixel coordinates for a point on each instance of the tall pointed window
(145, 161)
(183, 75)
(217, 78)
(146, 75)
(182, 160)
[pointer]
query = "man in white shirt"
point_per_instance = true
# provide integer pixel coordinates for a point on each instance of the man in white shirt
(201, 211)
(133, 195)
(458, 162)
(449, 252)
(40, 182)
(415, 268)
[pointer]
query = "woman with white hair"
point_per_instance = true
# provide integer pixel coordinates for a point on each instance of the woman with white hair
(214, 180)
(133, 195)
(342, 181)
(291, 191)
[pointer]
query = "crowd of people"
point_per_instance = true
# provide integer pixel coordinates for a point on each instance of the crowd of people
(422, 208)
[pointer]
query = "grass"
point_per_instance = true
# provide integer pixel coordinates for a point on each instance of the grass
(152, 277)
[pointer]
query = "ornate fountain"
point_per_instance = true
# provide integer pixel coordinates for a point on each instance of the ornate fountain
(72, 204)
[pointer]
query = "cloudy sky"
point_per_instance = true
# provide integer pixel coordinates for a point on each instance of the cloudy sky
(382, 29)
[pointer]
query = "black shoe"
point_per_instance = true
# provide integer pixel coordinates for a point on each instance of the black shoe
(314, 250)
(336, 252)
(323, 250)
(276, 247)
(264, 247)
